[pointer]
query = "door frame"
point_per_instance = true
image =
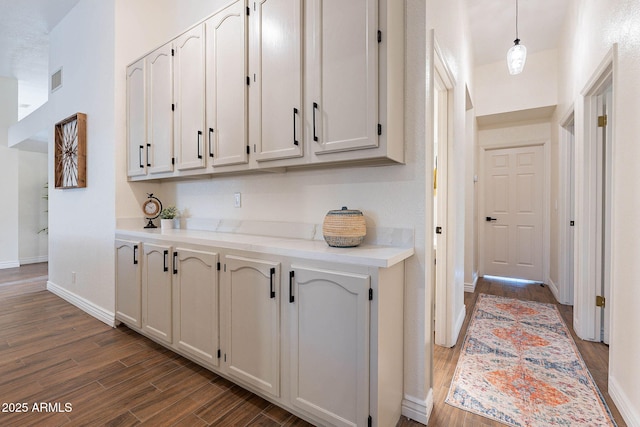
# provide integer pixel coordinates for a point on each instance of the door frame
(447, 327)
(586, 317)
(564, 290)
(546, 197)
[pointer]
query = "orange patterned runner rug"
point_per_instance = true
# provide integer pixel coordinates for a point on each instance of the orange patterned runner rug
(520, 366)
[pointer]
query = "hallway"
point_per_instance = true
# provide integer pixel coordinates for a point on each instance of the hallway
(596, 355)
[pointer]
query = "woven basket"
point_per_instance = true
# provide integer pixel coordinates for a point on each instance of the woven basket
(344, 228)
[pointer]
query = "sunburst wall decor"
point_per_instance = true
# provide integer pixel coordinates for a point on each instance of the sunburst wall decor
(70, 160)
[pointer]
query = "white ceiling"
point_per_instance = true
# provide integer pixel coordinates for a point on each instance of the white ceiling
(25, 27)
(24, 46)
(493, 26)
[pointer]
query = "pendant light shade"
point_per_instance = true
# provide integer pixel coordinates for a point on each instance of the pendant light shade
(517, 55)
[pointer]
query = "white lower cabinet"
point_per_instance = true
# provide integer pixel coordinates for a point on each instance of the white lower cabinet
(321, 339)
(128, 276)
(157, 298)
(196, 303)
(330, 344)
(251, 312)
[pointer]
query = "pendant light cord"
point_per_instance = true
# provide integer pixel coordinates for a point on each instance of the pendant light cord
(517, 38)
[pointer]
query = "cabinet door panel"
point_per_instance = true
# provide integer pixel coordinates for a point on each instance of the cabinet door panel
(189, 86)
(226, 40)
(128, 282)
(157, 312)
(330, 345)
(136, 120)
(197, 304)
(345, 64)
(253, 337)
(160, 115)
(276, 93)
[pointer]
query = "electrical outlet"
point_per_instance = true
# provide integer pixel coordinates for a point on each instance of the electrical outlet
(73, 277)
(237, 200)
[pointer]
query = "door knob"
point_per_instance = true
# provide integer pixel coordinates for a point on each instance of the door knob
(489, 219)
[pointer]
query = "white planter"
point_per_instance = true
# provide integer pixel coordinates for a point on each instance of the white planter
(166, 224)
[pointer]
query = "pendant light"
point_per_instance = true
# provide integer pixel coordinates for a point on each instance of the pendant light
(517, 55)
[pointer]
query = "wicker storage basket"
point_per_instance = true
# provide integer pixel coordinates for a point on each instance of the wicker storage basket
(344, 228)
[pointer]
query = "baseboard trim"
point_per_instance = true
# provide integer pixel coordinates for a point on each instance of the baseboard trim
(417, 409)
(554, 290)
(9, 264)
(471, 287)
(458, 324)
(627, 410)
(83, 304)
(34, 259)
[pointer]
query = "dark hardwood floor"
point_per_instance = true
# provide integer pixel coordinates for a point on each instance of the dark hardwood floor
(54, 354)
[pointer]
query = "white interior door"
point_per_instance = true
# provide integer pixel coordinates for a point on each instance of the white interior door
(513, 207)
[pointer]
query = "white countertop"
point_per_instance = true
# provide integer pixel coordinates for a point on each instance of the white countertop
(366, 255)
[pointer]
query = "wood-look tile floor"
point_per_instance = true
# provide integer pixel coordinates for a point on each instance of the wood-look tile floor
(53, 353)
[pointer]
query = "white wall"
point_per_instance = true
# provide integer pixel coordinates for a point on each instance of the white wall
(8, 175)
(33, 217)
(537, 85)
(82, 221)
(592, 30)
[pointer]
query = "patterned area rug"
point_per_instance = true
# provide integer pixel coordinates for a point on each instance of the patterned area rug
(520, 366)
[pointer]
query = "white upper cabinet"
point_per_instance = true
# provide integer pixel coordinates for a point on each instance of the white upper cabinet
(342, 103)
(159, 147)
(189, 84)
(226, 86)
(266, 84)
(275, 89)
(136, 119)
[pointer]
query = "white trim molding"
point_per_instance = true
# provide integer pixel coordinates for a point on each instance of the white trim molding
(471, 287)
(9, 264)
(34, 259)
(83, 304)
(417, 409)
(554, 289)
(623, 403)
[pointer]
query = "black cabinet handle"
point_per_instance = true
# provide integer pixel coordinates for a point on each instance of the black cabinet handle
(291, 276)
(272, 292)
(295, 111)
(140, 156)
(148, 149)
(199, 138)
(175, 263)
(315, 107)
(135, 254)
(166, 260)
(210, 133)
(489, 219)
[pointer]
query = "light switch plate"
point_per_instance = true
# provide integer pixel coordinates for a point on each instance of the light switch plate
(237, 200)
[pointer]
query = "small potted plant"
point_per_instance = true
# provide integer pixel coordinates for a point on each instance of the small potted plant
(167, 216)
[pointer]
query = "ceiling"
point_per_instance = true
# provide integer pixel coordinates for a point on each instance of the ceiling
(25, 27)
(493, 26)
(24, 46)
